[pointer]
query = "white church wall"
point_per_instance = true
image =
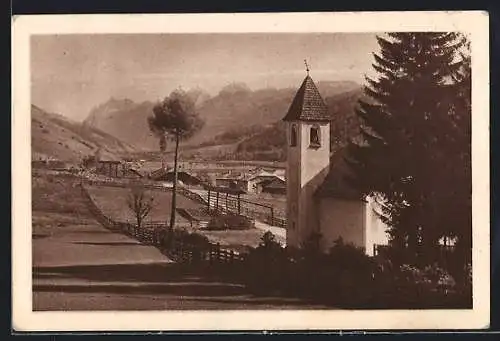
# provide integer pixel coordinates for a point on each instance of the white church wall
(314, 166)
(314, 160)
(342, 218)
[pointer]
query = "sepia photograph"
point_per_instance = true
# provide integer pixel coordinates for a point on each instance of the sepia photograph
(308, 170)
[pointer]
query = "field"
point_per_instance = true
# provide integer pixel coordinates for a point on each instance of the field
(236, 240)
(56, 203)
(113, 202)
(59, 206)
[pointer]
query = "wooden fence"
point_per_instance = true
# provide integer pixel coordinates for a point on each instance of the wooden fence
(191, 195)
(225, 202)
(123, 183)
(276, 221)
(149, 233)
(154, 234)
(212, 254)
(219, 202)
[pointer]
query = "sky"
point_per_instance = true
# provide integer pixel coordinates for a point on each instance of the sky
(70, 74)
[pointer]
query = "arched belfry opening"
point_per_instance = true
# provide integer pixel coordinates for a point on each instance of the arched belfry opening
(293, 136)
(315, 136)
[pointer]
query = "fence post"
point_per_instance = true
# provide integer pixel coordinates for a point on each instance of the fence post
(217, 202)
(272, 215)
(218, 252)
(180, 250)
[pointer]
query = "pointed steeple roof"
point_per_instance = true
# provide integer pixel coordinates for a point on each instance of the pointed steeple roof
(308, 104)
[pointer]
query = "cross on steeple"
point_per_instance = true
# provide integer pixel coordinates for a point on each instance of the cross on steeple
(307, 67)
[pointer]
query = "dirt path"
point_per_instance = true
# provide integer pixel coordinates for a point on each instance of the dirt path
(92, 244)
(89, 268)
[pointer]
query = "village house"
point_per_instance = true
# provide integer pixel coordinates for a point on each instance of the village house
(276, 186)
(116, 169)
(318, 198)
(252, 181)
(183, 177)
(234, 180)
(256, 181)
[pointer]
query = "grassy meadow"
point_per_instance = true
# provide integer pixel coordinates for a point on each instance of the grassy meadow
(56, 205)
(113, 202)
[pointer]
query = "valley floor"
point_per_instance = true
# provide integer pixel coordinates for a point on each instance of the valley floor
(80, 265)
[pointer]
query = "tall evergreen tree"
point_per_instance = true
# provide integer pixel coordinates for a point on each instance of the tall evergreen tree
(415, 152)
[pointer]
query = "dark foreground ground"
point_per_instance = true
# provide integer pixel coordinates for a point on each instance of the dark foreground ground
(89, 268)
(79, 265)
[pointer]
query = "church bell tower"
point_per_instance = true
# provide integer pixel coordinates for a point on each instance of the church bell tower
(308, 160)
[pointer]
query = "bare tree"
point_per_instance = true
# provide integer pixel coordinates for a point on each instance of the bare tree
(175, 117)
(140, 203)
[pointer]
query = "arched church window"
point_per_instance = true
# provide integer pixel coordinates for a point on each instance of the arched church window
(293, 136)
(314, 137)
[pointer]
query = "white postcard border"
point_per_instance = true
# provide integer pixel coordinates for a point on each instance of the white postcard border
(24, 319)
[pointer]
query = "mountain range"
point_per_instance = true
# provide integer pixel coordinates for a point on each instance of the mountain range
(240, 123)
(234, 114)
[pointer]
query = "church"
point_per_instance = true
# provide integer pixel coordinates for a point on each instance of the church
(318, 198)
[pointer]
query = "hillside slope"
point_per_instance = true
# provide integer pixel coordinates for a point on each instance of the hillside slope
(56, 136)
(125, 120)
(269, 144)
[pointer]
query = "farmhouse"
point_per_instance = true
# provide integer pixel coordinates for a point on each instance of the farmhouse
(276, 185)
(116, 169)
(183, 177)
(108, 167)
(255, 182)
(251, 182)
(318, 198)
(239, 181)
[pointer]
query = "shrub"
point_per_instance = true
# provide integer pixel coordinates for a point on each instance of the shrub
(177, 242)
(347, 274)
(409, 286)
(229, 221)
(190, 238)
(266, 266)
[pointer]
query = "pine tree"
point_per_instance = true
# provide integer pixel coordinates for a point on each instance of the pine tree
(175, 117)
(415, 152)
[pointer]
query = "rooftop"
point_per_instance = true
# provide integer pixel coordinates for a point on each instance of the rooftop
(336, 184)
(110, 161)
(275, 183)
(307, 105)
